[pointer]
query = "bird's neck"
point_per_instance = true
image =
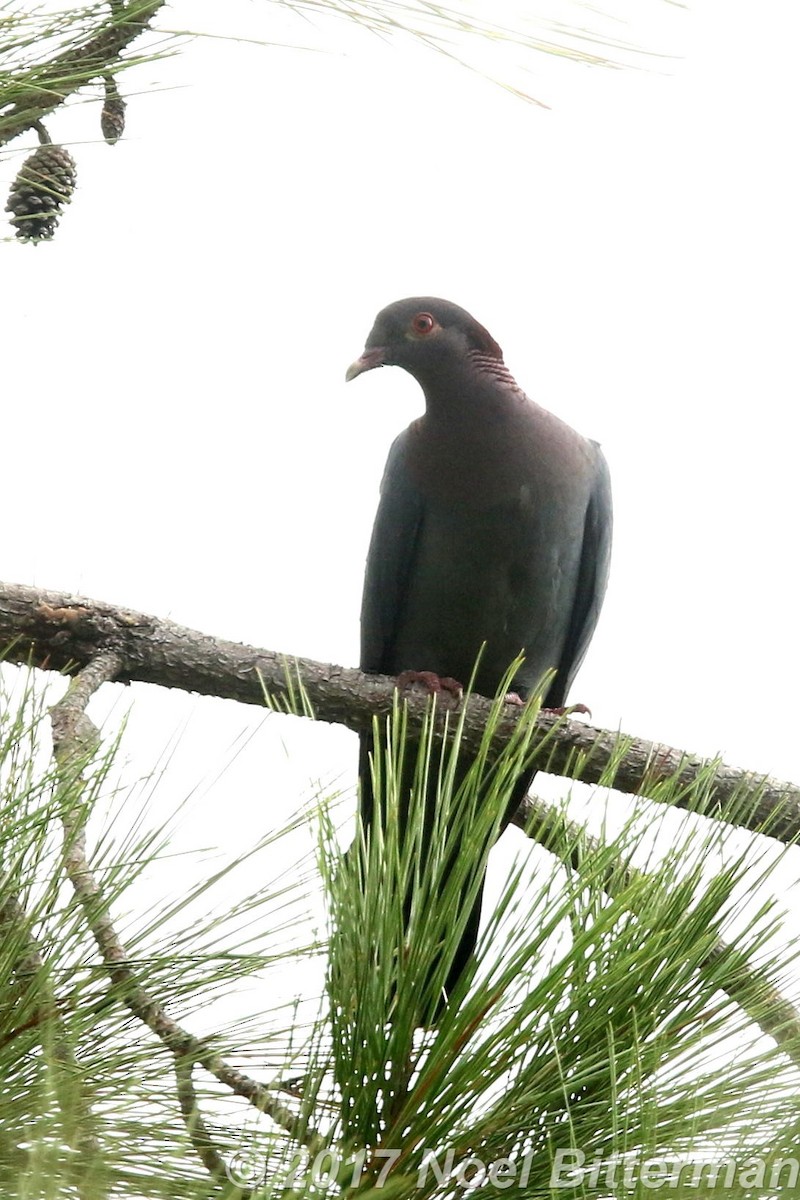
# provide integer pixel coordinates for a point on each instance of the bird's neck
(471, 448)
(492, 369)
(481, 382)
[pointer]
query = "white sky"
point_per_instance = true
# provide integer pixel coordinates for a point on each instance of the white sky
(178, 436)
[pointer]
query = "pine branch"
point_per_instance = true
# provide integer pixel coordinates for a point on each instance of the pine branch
(746, 985)
(70, 1083)
(51, 84)
(196, 1127)
(60, 632)
(75, 739)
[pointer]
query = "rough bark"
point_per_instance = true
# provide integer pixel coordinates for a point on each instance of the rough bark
(60, 632)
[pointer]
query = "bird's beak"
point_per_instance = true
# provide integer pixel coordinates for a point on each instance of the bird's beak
(369, 359)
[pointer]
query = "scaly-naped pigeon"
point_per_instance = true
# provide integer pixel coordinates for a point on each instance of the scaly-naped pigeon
(494, 526)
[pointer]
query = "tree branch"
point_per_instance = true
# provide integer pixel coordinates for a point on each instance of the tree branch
(60, 632)
(747, 985)
(74, 741)
(65, 631)
(198, 1131)
(48, 85)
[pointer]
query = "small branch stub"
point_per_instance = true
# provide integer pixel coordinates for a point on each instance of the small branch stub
(42, 134)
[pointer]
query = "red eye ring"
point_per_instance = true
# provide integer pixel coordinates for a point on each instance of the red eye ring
(423, 324)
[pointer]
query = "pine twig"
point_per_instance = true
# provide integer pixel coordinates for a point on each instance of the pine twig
(744, 984)
(75, 739)
(71, 70)
(196, 1127)
(69, 1075)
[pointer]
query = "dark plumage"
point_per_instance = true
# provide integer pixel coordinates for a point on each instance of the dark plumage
(494, 525)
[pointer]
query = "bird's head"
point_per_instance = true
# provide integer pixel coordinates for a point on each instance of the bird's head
(431, 339)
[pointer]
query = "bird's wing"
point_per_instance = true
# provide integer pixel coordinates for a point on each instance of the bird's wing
(390, 560)
(591, 586)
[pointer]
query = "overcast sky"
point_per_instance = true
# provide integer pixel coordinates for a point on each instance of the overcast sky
(178, 436)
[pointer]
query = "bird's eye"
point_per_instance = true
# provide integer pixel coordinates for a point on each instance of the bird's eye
(423, 323)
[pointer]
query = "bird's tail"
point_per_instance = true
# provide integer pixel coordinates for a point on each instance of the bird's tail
(442, 845)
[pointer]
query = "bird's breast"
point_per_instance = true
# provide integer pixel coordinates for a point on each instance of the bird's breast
(497, 554)
(503, 575)
(512, 454)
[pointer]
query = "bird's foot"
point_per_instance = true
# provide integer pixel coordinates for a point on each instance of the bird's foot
(432, 683)
(568, 710)
(514, 698)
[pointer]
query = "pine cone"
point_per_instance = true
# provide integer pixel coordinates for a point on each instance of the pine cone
(112, 118)
(45, 182)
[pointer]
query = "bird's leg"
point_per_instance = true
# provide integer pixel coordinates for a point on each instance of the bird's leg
(432, 683)
(513, 698)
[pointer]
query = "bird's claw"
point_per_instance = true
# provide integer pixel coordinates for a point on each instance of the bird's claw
(569, 710)
(433, 684)
(513, 698)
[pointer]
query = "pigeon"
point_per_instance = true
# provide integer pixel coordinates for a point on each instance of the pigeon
(492, 536)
